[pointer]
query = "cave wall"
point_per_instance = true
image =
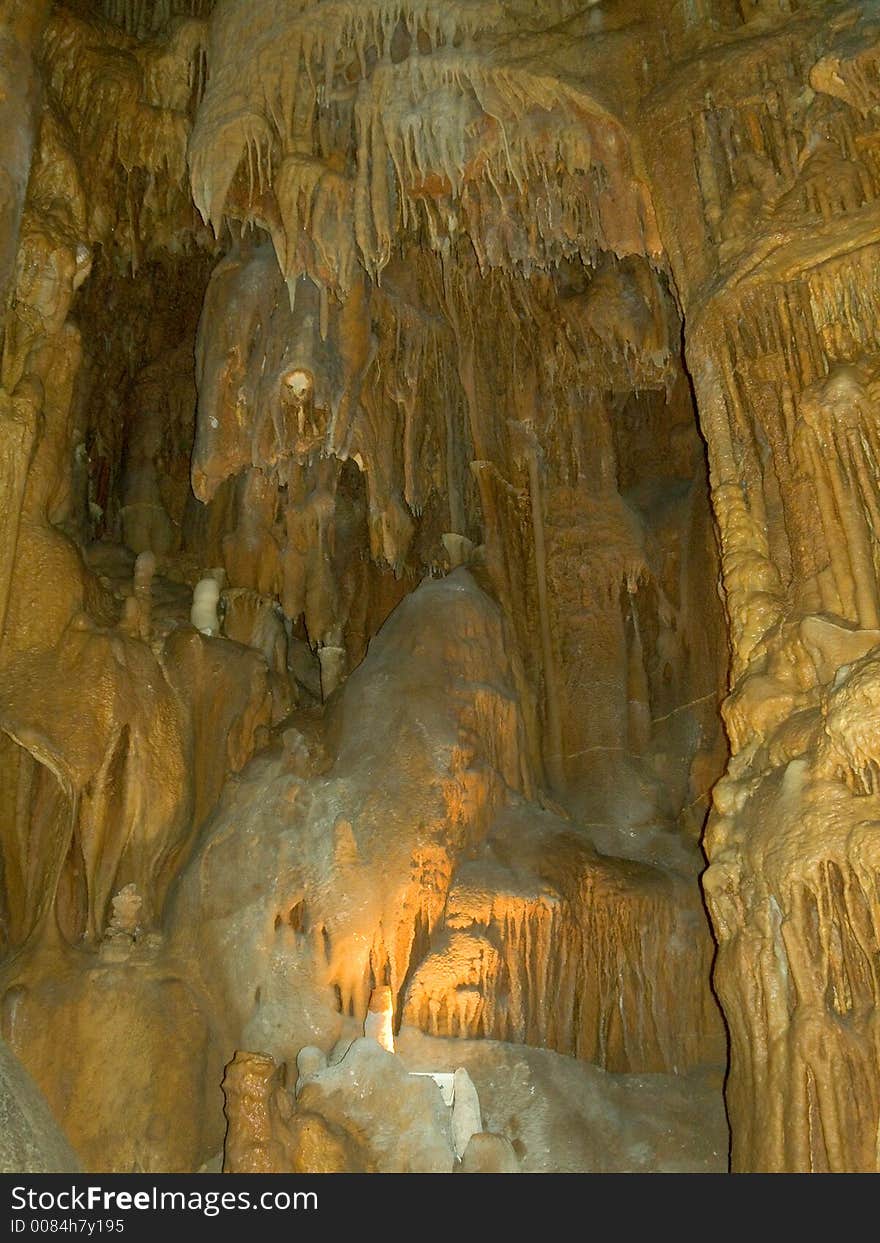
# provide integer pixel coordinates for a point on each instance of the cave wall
(776, 172)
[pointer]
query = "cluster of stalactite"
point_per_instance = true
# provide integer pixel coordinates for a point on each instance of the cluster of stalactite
(360, 122)
(401, 382)
(297, 417)
(384, 198)
(310, 303)
(123, 109)
(102, 785)
(569, 967)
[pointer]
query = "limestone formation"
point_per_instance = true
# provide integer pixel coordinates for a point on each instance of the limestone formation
(379, 1022)
(31, 1139)
(256, 1110)
(466, 1120)
(206, 597)
(440, 584)
(310, 1061)
(489, 1154)
(488, 915)
(365, 1114)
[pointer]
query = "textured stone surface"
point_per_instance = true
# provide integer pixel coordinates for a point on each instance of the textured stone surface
(363, 1113)
(514, 379)
(489, 916)
(134, 1083)
(30, 1138)
(369, 1110)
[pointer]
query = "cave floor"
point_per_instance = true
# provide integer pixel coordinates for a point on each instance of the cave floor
(568, 1116)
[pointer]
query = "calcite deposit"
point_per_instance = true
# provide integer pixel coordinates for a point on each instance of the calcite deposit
(440, 585)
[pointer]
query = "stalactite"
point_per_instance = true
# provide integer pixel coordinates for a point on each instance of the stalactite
(554, 757)
(128, 106)
(431, 131)
(503, 955)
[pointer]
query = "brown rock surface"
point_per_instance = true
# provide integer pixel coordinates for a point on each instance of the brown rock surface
(511, 379)
(29, 1136)
(134, 1083)
(487, 915)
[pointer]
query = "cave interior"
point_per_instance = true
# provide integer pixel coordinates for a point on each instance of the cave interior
(440, 586)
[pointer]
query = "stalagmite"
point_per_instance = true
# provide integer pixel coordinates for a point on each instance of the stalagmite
(251, 1087)
(458, 548)
(206, 596)
(380, 1013)
(489, 1154)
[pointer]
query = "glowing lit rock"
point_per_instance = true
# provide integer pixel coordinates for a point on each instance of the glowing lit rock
(379, 1020)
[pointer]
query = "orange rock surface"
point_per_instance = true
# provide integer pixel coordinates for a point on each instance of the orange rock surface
(440, 553)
